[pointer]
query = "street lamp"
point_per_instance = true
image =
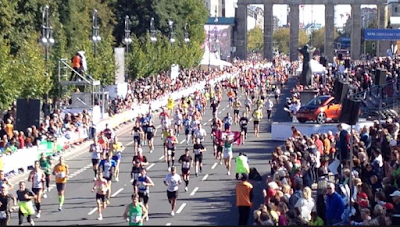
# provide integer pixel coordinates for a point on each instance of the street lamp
(153, 35)
(171, 31)
(209, 35)
(127, 41)
(95, 32)
(47, 41)
(187, 40)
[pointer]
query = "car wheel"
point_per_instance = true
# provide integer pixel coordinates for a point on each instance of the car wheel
(301, 120)
(321, 118)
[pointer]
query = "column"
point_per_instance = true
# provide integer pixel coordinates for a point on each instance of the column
(294, 32)
(329, 31)
(356, 31)
(382, 24)
(240, 32)
(268, 31)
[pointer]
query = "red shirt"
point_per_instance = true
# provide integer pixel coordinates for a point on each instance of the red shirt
(320, 146)
(21, 141)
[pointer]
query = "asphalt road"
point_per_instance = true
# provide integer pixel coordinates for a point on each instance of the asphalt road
(209, 201)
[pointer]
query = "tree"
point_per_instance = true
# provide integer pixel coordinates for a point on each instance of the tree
(255, 40)
(318, 38)
(282, 39)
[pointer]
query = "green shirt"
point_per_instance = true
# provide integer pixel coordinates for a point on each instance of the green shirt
(135, 214)
(45, 165)
(318, 222)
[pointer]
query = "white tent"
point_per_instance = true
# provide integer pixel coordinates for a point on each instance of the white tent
(316, 67)
(213, 60)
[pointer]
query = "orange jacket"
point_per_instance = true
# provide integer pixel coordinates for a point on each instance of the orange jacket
(76, 62)
(244, 193)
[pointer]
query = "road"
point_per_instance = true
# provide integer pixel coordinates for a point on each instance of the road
(209, 201)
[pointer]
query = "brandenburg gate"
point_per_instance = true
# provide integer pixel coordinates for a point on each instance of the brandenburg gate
(240, 30)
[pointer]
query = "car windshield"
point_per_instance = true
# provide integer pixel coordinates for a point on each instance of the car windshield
(318, 101)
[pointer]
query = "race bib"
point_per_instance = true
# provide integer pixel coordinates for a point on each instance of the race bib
(136, 133)
(61, 174)
(186, 165)
(135, 218)
(141, 185)
(197, 151)
(3, 214)
(169, 152)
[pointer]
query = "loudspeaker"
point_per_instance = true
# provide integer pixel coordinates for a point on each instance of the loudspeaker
(380, 77)
(340, 56)
(340, 90)
(347, 63)
(28, 113)
(350, 111)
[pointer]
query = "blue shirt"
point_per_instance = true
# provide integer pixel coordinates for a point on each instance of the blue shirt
(107, 167)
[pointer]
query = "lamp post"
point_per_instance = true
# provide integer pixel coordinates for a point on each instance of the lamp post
(47, 41)
(171, 32)
(153, 35)
(187, 40)
(127, 41)
(209, 34)
(95, 32)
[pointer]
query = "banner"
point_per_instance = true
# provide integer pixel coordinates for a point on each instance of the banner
(222, 135)
(382, 34)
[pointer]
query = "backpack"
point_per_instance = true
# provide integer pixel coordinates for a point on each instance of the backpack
(254, 175)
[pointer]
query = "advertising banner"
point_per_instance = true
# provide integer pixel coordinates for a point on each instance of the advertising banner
(382, 34)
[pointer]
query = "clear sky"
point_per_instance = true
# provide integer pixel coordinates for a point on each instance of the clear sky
(315, 13)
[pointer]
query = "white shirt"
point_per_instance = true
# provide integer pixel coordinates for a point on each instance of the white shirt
(173, 181)
(200, 133)
(306, 206)
(294, 108)
(269, 104)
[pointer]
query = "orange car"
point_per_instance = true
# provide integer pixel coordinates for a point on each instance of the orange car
(320, 109)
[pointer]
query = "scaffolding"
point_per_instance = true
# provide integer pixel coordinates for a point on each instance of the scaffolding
(92, 95)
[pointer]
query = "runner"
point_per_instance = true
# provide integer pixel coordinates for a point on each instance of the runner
(231, 96)
(97, 152)
(151, 133)
(214, 106)
(257, 115)
(200, 133)
(116, 154)
(236, 107)
(144, 183)
(228, 152)
(269, 104)
(61, 172)
(247, 104)
(45, 165)
(170, 143)
(37, 177)
(6, 205)
(24, 197)
(170, 104)
(172, 181)
(187, 122)
(109, 133)
(135, 212)
(227, 122)
(107, 166)
(187, 162)
(100, 185)
(243, 126)
(140, 158)
(178, 119)
(5, 181)
(135, 172)
(138, 134)
(198, 150)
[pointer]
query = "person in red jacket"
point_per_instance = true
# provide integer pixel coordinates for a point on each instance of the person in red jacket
(77, 66)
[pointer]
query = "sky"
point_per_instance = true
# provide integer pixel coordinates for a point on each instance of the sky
(315, 13)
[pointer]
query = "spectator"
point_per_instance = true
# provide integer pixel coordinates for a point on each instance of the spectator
(334, 206)
(244, 197)
(306, 204)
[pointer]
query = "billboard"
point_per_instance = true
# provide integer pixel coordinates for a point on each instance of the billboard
(382, 34)
(222, 33)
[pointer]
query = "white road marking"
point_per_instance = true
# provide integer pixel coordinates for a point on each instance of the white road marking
(150, 166)
(205, 123)
(227, 106)
(183, 141)
(194, 191)
(168, 224)
(92, 211)
(215, 165)
(117, 192)
(219, 112)
(205, 177)
(161, 157)
(223, 109)
(158, 127)
(251, 119)
(131, 180)
(130, 143)
(210, 119)
(181, 208)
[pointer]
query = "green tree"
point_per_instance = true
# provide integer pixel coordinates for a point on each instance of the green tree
(255, 40)
(282, 39)
(8, 84)
(318, 38)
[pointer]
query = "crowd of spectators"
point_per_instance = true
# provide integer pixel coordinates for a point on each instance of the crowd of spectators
(314, 179)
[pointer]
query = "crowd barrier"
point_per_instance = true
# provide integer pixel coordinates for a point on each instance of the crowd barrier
(22, 159)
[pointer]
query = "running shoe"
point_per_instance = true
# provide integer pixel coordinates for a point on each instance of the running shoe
(38, 215)
(100, 218)
(172, 213)
(186, 189)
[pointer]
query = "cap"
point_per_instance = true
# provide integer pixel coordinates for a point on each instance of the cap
(363, 204)
(396, 193)
(362, 195)
(388, 206)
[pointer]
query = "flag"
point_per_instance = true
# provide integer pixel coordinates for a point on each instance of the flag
(221, 135)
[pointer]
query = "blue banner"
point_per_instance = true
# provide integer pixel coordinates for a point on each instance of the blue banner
(382, 34)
